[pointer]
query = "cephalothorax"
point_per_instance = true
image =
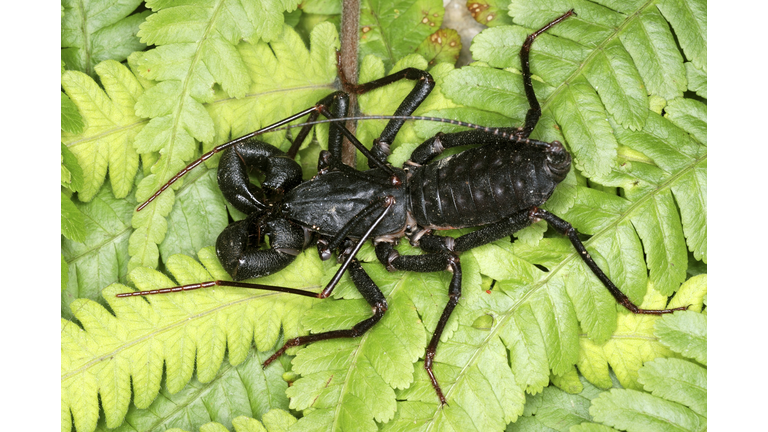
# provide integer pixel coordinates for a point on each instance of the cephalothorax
(497, 186)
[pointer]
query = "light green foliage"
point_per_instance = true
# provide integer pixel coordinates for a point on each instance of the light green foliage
(111, 126)
(697, 79)
(237, 391)
(603, 61)
(72, 222)
(101, 258)
(199, 215)
(535, 336)
(557, 410)
(99, 30)
(71, 121)
(72, 225)
(392, 29)
(276, 420)
(675, 396)
(678, 387)
(185, 332)
(686, 333)
(633, 343)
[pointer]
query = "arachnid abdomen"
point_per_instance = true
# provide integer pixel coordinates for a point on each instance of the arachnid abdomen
(482, 185)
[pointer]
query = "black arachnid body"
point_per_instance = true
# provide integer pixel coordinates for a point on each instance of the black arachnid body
(497, 186)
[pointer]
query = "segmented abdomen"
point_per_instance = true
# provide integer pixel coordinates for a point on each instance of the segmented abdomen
(479, 186)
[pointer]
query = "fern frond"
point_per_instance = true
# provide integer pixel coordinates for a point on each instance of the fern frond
(678, 399)
(72, 223)
(392, 30)
(187, 332)
(71, 120)
(245, 390)
(187, 72)
(102, 257)
(93, 32)
(603, 61)
(110, 127)
(350, 383)
(276, 420)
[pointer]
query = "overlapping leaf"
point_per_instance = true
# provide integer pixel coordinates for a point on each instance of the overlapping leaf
(110, 127)
(112, 356)
(276, 420)
(678, 399)
(236, 391)
(391, 30)
(94, 31)
(102, 257)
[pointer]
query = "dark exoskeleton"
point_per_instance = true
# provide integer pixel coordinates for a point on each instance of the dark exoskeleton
(498, 186)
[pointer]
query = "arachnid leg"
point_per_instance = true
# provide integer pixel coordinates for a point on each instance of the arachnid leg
(372, 295)
(424, 85)
(440, 261)
(338, 105)
(362, 281)
(333, 106)
(435, 146)
(565, 228)
(534, 112)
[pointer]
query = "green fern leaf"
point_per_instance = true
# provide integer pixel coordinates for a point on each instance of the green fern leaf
(599, 64)
(555, 410)
(686, 333)
(634, 343)
(276, 420)
(591, 427)
(350, 383)
(185, 332)
(635, 411)
(71, 120)
(689, 19)
(391, 30)
(71, 173)
(236, 391)
(102, 257)
(198, 216)
(679, 387)
(697, 79)
(93, 32)
(176, 104)
(111, 127)
(678, 381)
(72, 223)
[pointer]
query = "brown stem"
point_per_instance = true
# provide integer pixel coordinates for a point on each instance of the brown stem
(350, 19)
